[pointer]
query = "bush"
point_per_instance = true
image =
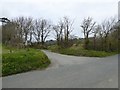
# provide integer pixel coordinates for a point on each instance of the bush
(23, 60)
(79, 51)
(83, 52)
(54, 48)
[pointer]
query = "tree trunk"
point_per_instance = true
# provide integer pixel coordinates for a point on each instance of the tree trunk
(86, 41)
(94, 42)
(42, 38)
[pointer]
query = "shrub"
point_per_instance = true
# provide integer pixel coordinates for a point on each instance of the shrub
(88, 53)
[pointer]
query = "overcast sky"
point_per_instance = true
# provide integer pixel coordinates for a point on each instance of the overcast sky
(55, 9)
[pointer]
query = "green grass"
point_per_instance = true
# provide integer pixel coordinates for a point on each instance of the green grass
(80, 51)
(54, 48)
(0, 59)
(88, 53)
(23, 60)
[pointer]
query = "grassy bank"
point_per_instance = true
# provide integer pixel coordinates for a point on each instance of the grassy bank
(80, 51)
(22, 60)
(0, 59)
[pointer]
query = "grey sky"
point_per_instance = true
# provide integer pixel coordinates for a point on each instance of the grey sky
(55, 9)
(119, 11)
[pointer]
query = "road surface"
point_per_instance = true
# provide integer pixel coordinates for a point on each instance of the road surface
(69, 72)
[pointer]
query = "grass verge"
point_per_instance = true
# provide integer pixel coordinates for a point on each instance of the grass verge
(79, 51)
(23, 60)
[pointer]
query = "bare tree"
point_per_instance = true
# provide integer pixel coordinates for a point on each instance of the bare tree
(20, 28)
(107, 27)
(59, 32)
(31, 31)
(57, 36)
(37, 30)
(45, 30)
(87, 26)
(8, 33)
(24, 28)
(63, 30)
(27, 28)
(95, 31)
(67, 29)
(20, 22)
(101, 36)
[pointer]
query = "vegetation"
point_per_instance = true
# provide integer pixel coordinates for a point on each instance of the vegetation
(104, 37)
(0, 59)
(22, 60)
(63, 32)
(87, 26)
(99, 39)
(80, 51)
(24, 33)
(21, 32)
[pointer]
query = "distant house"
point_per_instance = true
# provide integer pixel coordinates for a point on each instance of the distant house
(50, 42)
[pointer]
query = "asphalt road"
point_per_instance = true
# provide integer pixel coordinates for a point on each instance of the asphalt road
(69, 72)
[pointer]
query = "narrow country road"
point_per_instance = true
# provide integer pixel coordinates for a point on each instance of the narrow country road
(69, 72)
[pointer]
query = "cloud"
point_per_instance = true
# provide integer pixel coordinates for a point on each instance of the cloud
(55, 9)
